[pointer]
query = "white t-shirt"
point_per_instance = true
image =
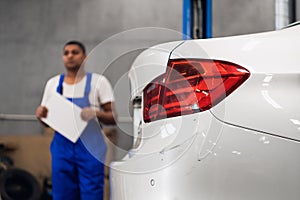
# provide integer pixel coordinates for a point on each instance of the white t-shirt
(101, 91)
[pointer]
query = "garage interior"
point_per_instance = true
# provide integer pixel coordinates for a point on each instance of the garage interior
(115, 32)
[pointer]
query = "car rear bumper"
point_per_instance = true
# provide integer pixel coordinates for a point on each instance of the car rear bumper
(216, 161)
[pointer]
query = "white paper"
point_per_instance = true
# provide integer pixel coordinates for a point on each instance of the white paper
(64, 117)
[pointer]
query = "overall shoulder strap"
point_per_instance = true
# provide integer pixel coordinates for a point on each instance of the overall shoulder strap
(59, 88)
(88, 84)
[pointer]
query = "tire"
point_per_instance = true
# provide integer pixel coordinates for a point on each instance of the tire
(18, 184)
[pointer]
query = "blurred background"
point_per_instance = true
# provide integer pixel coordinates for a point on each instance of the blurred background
(33, 33)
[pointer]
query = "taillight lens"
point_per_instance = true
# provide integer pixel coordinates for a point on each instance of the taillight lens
(191, 86)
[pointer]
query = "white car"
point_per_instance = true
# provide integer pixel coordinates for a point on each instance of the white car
(219, 119)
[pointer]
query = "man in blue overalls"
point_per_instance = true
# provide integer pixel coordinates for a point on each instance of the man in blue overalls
(78, 168)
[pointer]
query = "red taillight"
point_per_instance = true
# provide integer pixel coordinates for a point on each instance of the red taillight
(191, 86)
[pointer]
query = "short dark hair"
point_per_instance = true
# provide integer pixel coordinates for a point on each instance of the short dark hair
(81, 46)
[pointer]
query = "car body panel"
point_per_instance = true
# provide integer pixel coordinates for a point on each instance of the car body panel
(269, 52)
(269, 104)
(148, 65)
(243, 164)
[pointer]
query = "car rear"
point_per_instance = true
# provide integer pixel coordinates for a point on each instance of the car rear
(219, 119)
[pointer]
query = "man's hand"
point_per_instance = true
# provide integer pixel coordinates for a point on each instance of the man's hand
(88, 113)
(41, 112)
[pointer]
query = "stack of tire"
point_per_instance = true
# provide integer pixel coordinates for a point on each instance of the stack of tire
(16, 184)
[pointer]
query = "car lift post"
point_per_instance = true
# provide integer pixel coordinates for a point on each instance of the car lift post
(197, 19)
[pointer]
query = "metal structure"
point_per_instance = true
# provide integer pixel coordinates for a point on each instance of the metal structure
(285, 13)
(197, 19)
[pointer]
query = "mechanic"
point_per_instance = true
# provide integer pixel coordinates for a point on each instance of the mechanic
(78, 168)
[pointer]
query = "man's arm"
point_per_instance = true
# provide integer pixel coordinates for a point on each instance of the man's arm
(41, 112)
(107, 115)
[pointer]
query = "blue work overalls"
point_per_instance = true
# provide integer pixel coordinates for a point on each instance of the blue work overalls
(77, 168)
